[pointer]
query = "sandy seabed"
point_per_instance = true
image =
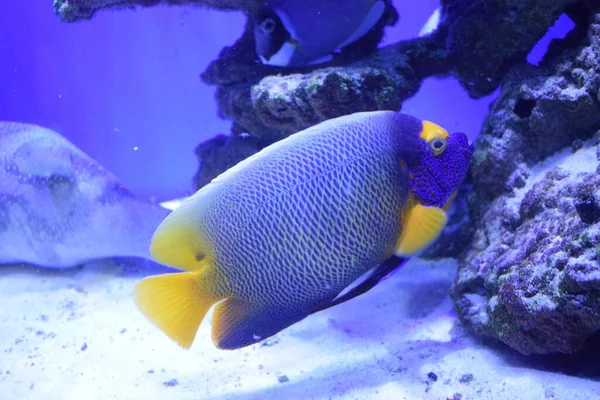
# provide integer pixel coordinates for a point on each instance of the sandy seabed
(77, 334)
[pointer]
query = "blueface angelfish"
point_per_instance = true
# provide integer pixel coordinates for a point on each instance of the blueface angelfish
(292, 33)
(281, 234)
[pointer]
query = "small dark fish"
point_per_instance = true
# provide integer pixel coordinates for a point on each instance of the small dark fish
(292, 33)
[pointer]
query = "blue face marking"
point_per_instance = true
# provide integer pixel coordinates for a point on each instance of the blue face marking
(435, 178)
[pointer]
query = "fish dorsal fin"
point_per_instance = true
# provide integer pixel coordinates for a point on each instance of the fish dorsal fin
(370, 20)
(421, 225)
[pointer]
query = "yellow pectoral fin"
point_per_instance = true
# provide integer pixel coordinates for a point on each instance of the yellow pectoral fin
(421, 226)
(175, 303)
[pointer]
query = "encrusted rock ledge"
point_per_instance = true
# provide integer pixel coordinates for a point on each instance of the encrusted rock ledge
(531, 275)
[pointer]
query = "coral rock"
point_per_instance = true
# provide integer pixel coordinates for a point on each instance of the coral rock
(537, 287)
(59, 208)
(77, 10)
(298, 101)
(489, 36)
(539, 111)
(221, 153)
(531, 275)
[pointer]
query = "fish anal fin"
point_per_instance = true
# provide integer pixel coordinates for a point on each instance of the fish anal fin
(239, 323)
(421, 226)
(176, 303)
(366, 283)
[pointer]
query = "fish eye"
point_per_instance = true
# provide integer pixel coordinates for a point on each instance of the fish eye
(268, 25)
(438, 145)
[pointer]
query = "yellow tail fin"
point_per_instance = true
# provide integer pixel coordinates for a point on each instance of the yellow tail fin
(175, 303)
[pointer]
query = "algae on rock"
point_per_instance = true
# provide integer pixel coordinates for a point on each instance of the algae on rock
(78, 10)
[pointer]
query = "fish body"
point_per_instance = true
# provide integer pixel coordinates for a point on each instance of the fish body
(281, 234)
(59, 208)
(301, 32)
